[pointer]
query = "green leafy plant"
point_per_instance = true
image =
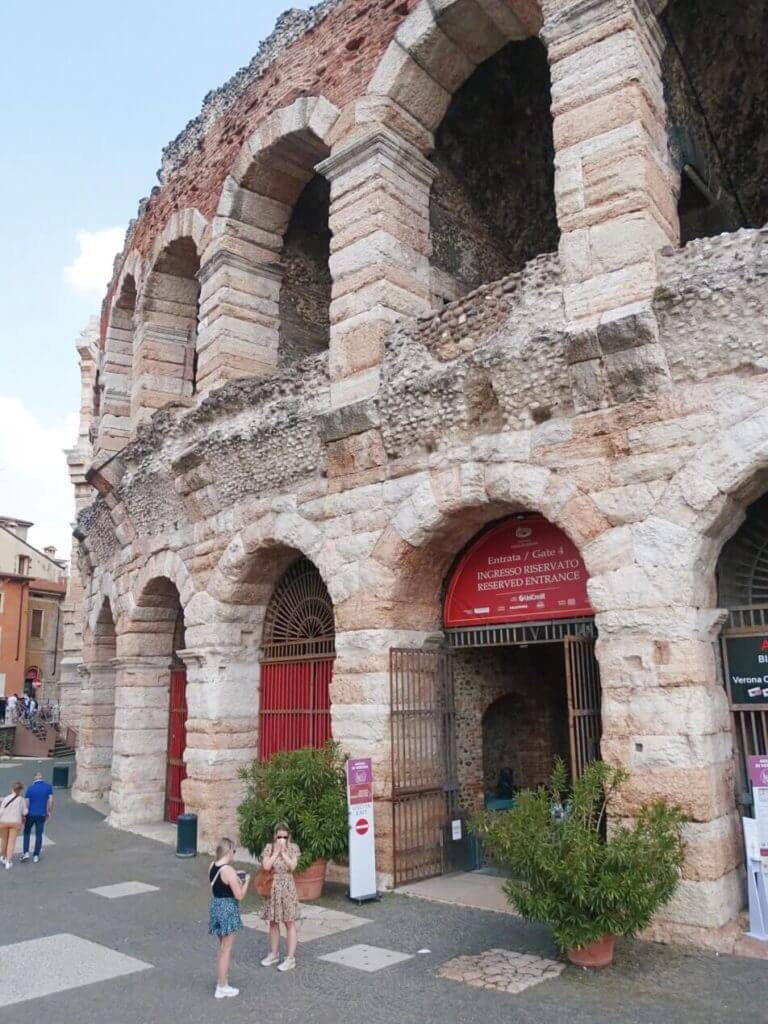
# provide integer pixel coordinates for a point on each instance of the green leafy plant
(568, 873)
(307, 789)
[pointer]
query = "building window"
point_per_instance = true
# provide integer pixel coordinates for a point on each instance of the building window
(36, 624)
(24, 564)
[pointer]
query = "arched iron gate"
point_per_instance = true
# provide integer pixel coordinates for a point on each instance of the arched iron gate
(298, 652)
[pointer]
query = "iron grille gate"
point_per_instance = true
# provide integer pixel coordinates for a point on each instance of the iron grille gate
(582, 678)
(424, 783)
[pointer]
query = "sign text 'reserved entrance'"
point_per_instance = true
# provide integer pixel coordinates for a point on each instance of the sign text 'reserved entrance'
(522, 570)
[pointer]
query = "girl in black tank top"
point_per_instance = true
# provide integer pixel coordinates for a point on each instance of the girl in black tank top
(227, 889)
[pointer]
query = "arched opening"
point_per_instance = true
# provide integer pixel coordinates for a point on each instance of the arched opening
(716, 83)
(492, 205)
(298, 651)
(305, 293)
(515, 686)
(742, 583)
(279, 211)
(150, 709)
(165, 355)
(114, 377)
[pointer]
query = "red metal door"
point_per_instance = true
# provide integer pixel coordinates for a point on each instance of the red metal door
(177, 741)
(295, 706)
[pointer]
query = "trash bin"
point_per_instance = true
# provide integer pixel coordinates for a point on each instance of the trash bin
(61, 776)
(186, 835)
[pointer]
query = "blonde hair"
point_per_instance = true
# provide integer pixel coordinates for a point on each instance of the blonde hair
(281, 826)
(17, 787)
(225, 846)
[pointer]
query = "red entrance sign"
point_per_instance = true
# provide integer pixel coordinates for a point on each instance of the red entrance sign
(361, 826)
(522, 570)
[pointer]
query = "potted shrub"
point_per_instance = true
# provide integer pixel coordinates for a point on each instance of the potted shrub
(307, 789)
(588, 884)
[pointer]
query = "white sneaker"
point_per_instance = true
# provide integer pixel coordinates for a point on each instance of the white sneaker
(225, 992)
(8, 864)
(36, 860)
(273, 958)
(25, 856)
(288, 964)
(2, 860)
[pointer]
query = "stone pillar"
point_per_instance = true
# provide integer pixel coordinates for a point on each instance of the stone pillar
(239, 314)
(142, 695)
(162, 368)
(379, 218)
(96, 730)
(666, 719)
(360, 714)
(616, 190)
(222, 736)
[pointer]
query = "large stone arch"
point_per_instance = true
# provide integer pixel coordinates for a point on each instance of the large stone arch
(445, 510)
(438, 46)
(168, 309)
(244, 308)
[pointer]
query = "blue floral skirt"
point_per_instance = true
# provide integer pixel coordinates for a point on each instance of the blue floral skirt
(224, 916)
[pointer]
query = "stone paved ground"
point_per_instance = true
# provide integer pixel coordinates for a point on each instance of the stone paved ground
(167, 930)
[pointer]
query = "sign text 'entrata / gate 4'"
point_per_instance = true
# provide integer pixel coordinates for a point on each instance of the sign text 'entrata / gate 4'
(522, 570)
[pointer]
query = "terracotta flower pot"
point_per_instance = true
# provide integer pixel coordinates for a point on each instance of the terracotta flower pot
(594, 954)
(309, 884)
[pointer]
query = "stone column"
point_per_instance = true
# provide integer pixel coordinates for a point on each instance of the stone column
(222, 736)
(666, 719)
(115, 377)
(615, 186)
(360, 713)
(162, 368)
(379, 218)
(142, 694)
(239, 313)
(96, 730)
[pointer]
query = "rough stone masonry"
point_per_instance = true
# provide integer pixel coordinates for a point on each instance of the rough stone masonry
(416, 268)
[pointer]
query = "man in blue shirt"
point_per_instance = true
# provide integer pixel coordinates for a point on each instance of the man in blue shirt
(39, 798)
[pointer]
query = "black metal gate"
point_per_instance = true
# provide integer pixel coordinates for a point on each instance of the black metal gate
(424, 783)
(582, 677)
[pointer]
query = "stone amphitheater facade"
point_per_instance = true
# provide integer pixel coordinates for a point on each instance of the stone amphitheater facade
(419, 267)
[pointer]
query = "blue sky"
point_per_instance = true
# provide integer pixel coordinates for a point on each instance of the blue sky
(91, 91)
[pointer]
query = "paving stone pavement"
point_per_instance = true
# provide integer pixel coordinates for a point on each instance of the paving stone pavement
(501, 969)
(166, 930)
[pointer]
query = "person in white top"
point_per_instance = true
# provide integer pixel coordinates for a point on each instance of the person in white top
(13, 810)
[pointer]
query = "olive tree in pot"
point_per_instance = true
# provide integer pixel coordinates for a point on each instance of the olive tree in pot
(307, 789)
(587, 883)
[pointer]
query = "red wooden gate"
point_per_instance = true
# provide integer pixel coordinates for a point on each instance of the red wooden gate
(177, 741)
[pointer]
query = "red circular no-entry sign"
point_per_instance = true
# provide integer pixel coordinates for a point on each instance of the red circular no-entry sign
(361, 826)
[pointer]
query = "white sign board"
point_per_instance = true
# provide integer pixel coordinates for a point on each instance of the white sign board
(362, 845)
(756, 848)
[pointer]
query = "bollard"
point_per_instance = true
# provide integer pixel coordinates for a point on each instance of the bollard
(61, 776)
(186, 835)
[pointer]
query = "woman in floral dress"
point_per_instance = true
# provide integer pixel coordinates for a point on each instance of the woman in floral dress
(281, 857)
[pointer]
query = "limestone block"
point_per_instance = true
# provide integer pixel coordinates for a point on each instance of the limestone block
(633, 587)
(514, 446)
(420, 36)
(709, 904)
(472, 27)
(678, 710)
(628, 504)
(147, 773)
(713, 848)
(400, 77)
(141, 741)
(611, 550)
(517, 483)
(644, 751)
(701, 793)
(624, 240)
(659, 542)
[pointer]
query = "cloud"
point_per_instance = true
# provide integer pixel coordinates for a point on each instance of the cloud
(34, 482)
(91, 270)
